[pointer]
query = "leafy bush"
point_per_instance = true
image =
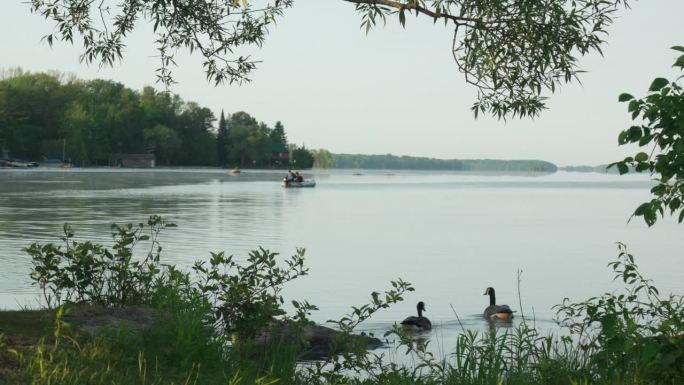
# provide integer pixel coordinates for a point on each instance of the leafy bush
(631, 334)
(239, 301)
(245, 298)
(86, 272)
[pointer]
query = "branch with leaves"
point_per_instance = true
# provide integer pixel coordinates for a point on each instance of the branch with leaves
(661, 132)
(215, 29)
(513, 51)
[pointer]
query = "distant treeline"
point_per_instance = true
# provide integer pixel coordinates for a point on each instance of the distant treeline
(602, 168)
(393, 162)
(89, 122)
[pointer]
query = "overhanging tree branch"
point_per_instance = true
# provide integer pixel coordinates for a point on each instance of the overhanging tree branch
(414, 6)
(514, 51)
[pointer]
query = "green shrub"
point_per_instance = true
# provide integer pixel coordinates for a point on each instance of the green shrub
(85, 272)
(633, 334)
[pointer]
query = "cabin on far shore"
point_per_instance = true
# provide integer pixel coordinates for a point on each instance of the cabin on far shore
(133, 160)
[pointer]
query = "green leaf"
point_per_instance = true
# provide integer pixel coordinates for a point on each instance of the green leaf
(642, 167)
(625, 97)
(642, 208)
(658, 190)
(645, 140)
(402, 18)
(681, 216)
(622, 168)
(622, 138)
(650, 218)
(677, 48)
(641, 157)
(633, 106)
(679, 62)
(635, 133)
(658, 83)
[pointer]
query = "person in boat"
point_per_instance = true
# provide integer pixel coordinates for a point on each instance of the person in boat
(289, 178)
(298, 178)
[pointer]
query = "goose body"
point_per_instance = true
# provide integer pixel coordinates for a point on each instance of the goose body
(494, 311)
(420, 322)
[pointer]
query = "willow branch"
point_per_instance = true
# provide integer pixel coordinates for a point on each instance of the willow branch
(414, 6)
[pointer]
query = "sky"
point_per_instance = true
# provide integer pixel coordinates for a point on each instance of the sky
(394, 90)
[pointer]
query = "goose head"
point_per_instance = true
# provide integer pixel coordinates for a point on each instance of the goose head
(421, 308)
(492, 296)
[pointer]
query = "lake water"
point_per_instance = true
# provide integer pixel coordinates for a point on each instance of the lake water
(450, 234)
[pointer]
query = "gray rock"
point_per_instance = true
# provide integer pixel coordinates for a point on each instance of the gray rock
(315, 341)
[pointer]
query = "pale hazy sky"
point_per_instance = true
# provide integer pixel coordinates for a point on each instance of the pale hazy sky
(392, 91)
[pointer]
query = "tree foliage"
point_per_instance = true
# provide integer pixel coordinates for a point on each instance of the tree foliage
(660, 131)
(254, 144)
(278, 138)
(48, 116)
(164, 142)
(214, 29)
(300, 157)
(323, 158)
(513, 51)
(222, 140)
(393, 162)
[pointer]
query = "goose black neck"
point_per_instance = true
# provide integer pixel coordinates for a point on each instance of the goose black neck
(420, 312)
(492, 297)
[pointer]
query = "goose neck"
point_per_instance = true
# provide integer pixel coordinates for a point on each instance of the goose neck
(492, 298)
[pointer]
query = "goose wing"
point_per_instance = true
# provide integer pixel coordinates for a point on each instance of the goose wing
(497, 309)
(410, 321)
(418, 322)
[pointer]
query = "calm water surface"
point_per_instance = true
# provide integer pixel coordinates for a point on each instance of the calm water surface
(450, 234)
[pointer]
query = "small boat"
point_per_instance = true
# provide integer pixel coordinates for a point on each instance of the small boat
(305, 183)
(234, 171)
(17, 163)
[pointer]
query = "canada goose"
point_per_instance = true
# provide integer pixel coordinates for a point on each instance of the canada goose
(420, 322)
(494, 311)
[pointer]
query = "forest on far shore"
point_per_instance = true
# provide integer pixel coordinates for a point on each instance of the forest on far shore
(89, 122)
(325, 159)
